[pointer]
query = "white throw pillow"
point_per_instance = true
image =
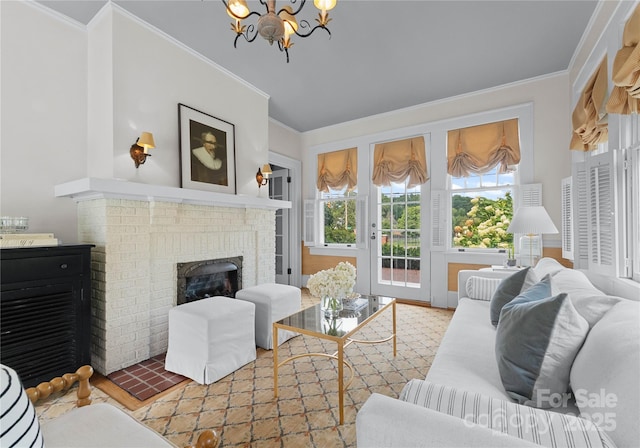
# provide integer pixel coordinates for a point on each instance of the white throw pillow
(605, 374)
(18, 420)
(547, 266)
(574, 283)
(481, 288)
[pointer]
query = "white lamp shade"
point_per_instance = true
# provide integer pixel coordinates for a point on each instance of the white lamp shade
(531, 220)
(266, 170)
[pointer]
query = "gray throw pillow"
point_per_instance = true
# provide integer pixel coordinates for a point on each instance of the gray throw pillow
(509, 288)
(537, 340)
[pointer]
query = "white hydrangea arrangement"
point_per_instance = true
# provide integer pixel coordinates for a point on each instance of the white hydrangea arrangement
(335, 283)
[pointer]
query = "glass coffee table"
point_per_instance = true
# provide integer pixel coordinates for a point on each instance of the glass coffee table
(312, 322)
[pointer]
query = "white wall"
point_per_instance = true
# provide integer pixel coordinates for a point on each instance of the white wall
(284, 140)
(44, 116)
(74, 100)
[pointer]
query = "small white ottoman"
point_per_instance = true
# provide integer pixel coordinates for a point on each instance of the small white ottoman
(273, 302)
(210, 338)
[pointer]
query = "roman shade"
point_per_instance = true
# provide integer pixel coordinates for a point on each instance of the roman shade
(396, 161)
(625, 95)
(478, 149)
(589, 116)
(338, 169)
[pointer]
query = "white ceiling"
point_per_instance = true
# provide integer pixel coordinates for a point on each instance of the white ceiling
(382, 56)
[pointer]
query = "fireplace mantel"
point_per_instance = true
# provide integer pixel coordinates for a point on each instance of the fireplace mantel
(90, 188)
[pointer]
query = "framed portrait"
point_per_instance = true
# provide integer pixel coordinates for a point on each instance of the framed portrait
(207, 151)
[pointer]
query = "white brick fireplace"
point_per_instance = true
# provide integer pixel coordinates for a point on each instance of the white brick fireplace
(140, 237)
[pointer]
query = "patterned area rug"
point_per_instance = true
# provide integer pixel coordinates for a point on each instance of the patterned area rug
(241, 407)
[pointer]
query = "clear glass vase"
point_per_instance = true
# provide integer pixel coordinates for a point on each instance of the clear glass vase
(331, 307)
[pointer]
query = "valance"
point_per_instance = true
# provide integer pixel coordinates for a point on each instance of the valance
(338, 169)
(625, 96)
(396, 161)
(590, 121)
(478, 149)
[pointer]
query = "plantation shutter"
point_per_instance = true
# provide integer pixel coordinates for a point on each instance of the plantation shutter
(567, 219)
(310, 206)
(633, 183)
(529, 195)
(338, 169)
(581, 217)
(478, 149)
(589, 118)
(400, 160)
(601, 219)
(625, 96)
(362, 225)
(439, 211)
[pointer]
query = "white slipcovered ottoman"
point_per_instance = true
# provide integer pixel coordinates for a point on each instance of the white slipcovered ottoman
(273, 302)
(210, 338)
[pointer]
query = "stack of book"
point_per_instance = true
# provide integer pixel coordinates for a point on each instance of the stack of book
(27, 239)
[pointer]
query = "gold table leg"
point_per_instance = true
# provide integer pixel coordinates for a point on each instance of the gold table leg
(341, 381)
(275, 362)
(395, 348)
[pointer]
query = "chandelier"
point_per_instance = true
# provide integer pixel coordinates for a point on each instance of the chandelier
(276, 27)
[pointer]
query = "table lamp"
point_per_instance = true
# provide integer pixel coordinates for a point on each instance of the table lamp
(531, 221)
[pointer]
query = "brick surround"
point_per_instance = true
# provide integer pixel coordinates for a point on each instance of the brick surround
(138, 244)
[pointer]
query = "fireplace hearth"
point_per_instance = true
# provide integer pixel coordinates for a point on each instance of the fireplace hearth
(208, 278)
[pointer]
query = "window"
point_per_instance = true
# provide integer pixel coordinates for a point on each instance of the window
(338, 212)
(481, 209)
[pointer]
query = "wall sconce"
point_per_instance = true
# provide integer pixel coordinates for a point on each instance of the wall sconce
(262, 176)
(140, 149)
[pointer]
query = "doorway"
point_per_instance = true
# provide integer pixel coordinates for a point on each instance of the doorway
(397, 267)
(279, 189)
(285, 185)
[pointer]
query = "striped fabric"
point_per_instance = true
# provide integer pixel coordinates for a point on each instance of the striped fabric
(19, 425)
(481, 288)
(544, 428)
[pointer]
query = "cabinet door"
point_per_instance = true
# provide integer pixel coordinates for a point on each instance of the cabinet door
(43, 330)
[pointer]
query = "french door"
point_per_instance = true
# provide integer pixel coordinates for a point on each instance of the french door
(398, 267)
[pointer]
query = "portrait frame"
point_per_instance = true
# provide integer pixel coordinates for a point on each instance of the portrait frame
(205, 165)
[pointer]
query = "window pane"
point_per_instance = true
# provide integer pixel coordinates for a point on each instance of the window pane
(480, 218)
(339, 211)
(340, 221)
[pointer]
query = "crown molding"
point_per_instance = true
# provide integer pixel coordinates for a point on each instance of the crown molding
(56, 15)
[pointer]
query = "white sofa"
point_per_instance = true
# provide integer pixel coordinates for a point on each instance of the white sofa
(462, 401)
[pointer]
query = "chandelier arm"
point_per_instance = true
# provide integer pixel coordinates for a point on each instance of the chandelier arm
(247, 35)
(305, 24)
(293, 2)
(284, 49)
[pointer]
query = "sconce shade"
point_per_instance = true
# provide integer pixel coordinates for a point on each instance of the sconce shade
(146, 141)
(266, 170)
(531, 221)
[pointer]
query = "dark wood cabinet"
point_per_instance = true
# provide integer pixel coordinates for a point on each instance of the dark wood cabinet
(45, 310)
